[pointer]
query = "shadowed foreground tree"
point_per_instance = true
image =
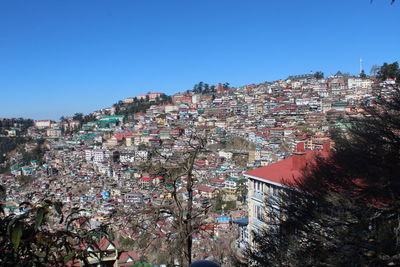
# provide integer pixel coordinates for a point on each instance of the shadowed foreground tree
(40, 235)
(344, 211)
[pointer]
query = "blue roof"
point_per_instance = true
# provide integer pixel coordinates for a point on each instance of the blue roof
(223, 219)
(242, 221)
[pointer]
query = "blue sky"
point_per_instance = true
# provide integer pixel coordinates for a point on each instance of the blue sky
(61, 57)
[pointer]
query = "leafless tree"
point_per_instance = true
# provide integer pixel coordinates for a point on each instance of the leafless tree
(169, 224)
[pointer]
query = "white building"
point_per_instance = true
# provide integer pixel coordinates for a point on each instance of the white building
(265, 183)
(98, 155)
(42, 124)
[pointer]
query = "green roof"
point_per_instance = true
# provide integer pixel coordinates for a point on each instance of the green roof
(114, 116)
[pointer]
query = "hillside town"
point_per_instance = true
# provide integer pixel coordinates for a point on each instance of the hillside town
(113, 165)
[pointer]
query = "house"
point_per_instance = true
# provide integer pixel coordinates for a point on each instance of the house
(207, 191)
(265, 183)
(145, 182)
(42, 124)
(128, 258)
(119, 118)
(243, 235)
(230, 185)
(106, 253)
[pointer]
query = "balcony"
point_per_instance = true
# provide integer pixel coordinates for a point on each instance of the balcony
(258, 223)
(273, 200)
(258, 195)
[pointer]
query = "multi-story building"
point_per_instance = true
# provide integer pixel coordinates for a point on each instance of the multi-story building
(42, 124)
(265, 184)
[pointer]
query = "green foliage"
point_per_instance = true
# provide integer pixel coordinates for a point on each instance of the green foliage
(82, 118)
(319, 75)
(35, 238)
(8, 144)
(127, 243)
(374, 69)
(78, 117)
(203, 88)
(139, 105)
(241, 190)
(220, 205)
(16, 234)
(391, 71)
(362, 74)
(21, 124)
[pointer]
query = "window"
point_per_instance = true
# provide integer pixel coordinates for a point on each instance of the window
(273, 191)
(258, 186)
(258, 212)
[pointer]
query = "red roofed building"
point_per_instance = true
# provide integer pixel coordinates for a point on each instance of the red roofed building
(265, 183)
(146, 181)
(128, 258)
(207, 191)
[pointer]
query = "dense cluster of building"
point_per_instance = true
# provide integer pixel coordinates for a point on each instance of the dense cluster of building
(98, 165)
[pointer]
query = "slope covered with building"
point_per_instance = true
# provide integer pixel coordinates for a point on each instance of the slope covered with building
(99, 163)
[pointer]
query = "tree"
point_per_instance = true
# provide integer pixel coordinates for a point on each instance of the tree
(198, 88)
(319, 75)
(389, 71)
(42, 236)
(241, 190)
(374, 69)
(201, 87)
(344, 211)
(195, 88)
(78, 117)
(179, 211)
(36, 153)
(362, 74)
(206, 87)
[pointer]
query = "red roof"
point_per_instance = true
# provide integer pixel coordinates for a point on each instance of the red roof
(207, 227)
(104, 243)
(216, 180)
(124, 256)
(284, 170)
(146, 179)
(204, 188)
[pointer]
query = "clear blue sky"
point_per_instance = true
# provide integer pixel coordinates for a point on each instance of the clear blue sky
(61, 57)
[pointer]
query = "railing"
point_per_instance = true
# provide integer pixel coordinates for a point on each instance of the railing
(258, 223)
(258, 195)
(273, 200)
